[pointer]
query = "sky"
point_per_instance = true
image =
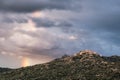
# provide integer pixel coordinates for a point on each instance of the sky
(38, 31)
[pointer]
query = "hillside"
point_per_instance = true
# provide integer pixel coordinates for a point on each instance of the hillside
(4, 70)
(85, 65)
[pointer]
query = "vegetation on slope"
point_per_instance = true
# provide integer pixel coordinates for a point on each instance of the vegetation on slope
(4, 70)
(86, 65)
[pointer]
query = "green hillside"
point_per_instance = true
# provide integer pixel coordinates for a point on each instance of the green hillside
(85, 65)
(4, 70)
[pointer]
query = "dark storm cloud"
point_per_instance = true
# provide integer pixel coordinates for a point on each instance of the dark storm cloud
(53, 52)
(108, 27)
(33, 5)
(49, 23)
(110, 23)
(102, 20)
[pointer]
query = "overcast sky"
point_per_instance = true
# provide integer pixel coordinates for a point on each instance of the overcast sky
(41, 30)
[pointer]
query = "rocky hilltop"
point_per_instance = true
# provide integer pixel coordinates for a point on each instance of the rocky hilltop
(85, 65)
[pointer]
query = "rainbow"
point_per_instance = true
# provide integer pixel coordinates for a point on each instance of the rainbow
(25, 62)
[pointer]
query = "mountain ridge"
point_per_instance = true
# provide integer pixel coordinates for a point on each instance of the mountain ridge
(85, 65)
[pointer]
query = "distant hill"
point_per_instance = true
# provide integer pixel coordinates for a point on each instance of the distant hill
(85, 65)
(4, 70)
